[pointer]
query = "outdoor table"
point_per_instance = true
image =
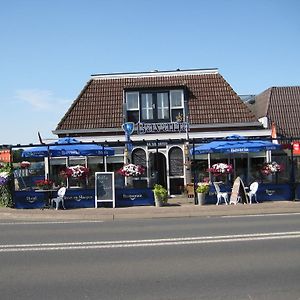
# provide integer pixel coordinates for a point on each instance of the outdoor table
(49, 194)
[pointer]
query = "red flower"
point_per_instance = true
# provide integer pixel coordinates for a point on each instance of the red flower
(131, 170)
(77, 172)
(25, 164)
(221, 168)
(44, 183)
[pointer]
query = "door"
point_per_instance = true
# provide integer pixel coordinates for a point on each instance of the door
(158, 167)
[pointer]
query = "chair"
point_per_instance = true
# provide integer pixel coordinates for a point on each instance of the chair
(190, 190)
(60, 198)
(252, 192)
(220, 194)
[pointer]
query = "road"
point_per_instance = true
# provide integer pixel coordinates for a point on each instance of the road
(253, 257)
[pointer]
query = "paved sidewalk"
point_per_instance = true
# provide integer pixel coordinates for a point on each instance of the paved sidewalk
(177, 207)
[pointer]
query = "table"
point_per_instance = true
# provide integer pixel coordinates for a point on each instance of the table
(49, 196)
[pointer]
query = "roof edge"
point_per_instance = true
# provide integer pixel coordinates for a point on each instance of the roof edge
(156, 73)
(194, 126)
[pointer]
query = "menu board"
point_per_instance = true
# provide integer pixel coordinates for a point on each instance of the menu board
(176, 164)
(104, 188)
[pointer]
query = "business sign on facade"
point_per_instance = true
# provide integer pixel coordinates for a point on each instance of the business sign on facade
(5, 156)
(144, 128)
(296, 147)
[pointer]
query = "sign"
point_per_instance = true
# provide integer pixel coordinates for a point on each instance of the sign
(296, 148)
(128, 128)
(134, 197)
(238, 192)
(154, 145)
(144, 128)
(5, 156)
(29, 199)
(104, 188)
(176, 163)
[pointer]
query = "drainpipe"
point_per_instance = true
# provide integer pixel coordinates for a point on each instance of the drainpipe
(293, 184)
(194, 175)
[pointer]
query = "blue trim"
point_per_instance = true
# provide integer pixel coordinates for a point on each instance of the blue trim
(81, 198)
(84, 198)
(29, 199)
(134, 197)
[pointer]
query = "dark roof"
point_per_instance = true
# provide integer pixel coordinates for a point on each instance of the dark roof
(282, 106)
(211, 99)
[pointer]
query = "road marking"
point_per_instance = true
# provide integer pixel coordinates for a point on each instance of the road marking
(150, 242)
(261, 215)
(50, 222)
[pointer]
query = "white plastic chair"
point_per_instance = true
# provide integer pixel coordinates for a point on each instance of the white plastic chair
(252, 192)
(60, 198)
(220, 194)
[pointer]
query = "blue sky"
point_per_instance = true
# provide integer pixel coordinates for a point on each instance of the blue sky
(49, 49)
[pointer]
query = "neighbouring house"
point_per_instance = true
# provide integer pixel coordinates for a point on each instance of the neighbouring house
(278, 108)
(169, 111)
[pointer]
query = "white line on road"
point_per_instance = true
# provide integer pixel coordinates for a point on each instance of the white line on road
(150, 242)
(50, 222)
(261, 215)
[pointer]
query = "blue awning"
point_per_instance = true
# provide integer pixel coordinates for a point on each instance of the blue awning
(235, 144)
(68, 147)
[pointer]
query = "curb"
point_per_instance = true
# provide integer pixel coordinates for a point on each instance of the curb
(148, 212)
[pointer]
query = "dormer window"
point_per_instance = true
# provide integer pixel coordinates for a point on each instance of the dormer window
(155, 106)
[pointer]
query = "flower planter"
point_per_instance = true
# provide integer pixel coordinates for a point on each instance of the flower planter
(158, 201)
(201, 198)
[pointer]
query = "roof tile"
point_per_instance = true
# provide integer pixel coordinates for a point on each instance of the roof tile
(210, 99)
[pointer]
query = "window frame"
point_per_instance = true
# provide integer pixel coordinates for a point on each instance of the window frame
(154, 95)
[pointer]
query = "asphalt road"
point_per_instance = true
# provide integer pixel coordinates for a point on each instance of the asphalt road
(253, 257)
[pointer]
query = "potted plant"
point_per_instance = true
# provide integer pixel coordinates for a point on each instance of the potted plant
(271, 168)
(220, 169)
(202, 190)
(129, 171)
(160, 195)
(5, 188)
(77, 175)
(44, 184)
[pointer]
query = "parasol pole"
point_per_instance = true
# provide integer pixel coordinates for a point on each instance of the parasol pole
(209, 163)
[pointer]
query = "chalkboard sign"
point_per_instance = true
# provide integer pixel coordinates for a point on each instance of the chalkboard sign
(104, 188)
(176, 162)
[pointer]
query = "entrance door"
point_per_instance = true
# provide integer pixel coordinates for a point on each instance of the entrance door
(158, 167)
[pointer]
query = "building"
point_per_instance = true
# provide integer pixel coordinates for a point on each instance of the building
(279, 106)
(170, 111)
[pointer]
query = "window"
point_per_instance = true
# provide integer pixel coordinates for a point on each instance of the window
(147, 107)
(132, 106)
(132, 101)
(155, 106)
(162, 106)
(177, 100)
(139, 157)
(176, 161)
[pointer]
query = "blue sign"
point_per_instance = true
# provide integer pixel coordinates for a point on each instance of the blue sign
(134, 197)
(128, 128)
(29, 199)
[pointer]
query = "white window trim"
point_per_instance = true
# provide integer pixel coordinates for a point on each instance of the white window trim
(138, 102)
(182, 99)
(163, 107)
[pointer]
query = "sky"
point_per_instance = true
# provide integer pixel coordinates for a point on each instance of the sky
(49, 49)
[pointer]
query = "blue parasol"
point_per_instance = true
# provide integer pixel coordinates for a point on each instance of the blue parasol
(68, 147)
(235, 144)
